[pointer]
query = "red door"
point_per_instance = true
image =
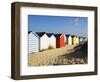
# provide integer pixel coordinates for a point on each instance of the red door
(62, 41)
(58, 42)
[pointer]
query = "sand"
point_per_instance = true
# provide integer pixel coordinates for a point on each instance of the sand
(50, 57)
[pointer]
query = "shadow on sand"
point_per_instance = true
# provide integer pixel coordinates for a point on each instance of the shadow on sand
(78, 55)
(79, 51)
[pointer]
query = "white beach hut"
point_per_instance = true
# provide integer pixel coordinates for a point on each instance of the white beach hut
(52, 40)
(77, 40)
(44, 40)
(68, 39)
(33, 42)
(85, 39)
(80, 39)
(65, 38)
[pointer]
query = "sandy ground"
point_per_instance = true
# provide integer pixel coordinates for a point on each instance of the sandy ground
(78, 55)
(56, 56)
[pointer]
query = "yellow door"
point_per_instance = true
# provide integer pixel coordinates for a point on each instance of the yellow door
(75, 41)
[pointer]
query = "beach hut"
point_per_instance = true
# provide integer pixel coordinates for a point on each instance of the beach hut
(52, 40)
(33, 42)
(85, 39)
(74, 40)
(44, 40)
(80, 39)
(65, 39)
(59, 40)
(68, 39)
(77, 39)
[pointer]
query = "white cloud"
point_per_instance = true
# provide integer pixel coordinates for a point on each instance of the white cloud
(76, 21)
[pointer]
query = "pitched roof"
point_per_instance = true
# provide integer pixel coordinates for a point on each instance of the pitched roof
(49, 34)
(33, 33)
(80, 37)
(73, 35)
(29, 32)
(67, 35)
(40, 34)
(57, 35)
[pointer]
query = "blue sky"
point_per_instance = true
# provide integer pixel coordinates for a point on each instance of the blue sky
(58, 24)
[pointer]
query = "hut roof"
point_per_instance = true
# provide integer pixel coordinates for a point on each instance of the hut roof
(40, 34)
(57, 35)
(49, 34)
(73, 35)
(67, 35)
(29, 32)
(33, 33)
(81, 37)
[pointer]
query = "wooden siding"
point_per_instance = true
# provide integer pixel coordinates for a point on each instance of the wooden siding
(69, 40)
(33, 43)
(65, 39)
(44, 42)
(37, 43)
(77, 40)
(52, 41)
(80, 39)
(60, 41)
(74, 41)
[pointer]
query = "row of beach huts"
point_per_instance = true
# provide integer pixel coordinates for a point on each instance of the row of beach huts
(39, 41)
